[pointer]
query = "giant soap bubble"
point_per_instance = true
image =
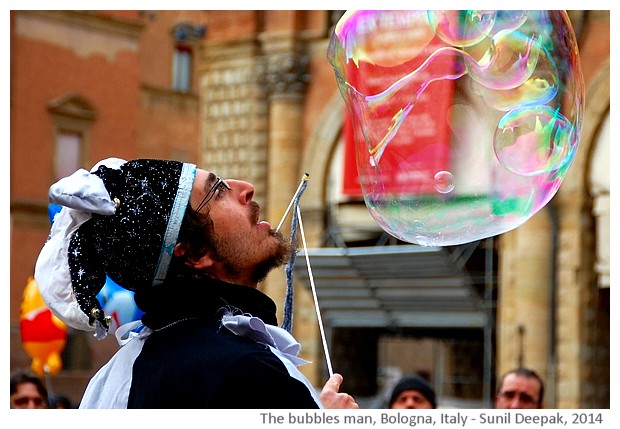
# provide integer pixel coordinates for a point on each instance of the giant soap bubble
(466, 122)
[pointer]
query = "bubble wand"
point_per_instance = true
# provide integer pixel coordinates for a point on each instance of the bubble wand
(316, 301)
(296, 196)
(287, 322)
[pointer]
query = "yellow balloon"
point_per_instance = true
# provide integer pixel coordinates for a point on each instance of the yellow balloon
(43, 334)
(45, 353)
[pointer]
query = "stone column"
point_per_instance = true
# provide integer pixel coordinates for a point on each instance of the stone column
(524, 297)
(285, 77)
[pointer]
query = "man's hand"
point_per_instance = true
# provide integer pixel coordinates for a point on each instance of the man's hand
(330, 398)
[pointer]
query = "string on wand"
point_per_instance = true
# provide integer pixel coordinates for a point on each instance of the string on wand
(296, 222)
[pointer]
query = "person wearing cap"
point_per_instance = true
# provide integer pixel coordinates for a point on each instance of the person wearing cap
(193, 248)
(412, 392)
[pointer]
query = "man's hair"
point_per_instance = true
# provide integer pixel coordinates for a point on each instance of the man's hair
(196, 237)
(21, 376)
(527, 373)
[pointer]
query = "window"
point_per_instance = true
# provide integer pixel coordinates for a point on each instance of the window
(186, 37)
(72, 120)
(68, 153)
(182, 68)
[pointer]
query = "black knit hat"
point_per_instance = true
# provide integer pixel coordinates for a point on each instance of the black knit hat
(126, 229)
(414, 382)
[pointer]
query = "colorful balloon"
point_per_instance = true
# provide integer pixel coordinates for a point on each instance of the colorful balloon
(52, 211)
(43, 335)
(118, 303)
(465, 122)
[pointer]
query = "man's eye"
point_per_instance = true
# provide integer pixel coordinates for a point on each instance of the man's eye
(221, 189)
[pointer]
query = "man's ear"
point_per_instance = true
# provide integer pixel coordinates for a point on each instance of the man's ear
(199, 263)
(178, 250)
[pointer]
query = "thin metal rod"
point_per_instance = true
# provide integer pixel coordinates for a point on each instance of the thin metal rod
(288, 209)
(316, 301)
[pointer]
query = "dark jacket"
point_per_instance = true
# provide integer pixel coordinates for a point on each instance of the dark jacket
(191, 361)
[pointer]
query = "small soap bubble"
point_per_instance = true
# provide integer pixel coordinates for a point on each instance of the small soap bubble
(444, 182)
(534, 141)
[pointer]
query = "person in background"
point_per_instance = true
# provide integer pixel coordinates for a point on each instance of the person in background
(412, 392)
(520, 388)
(27, 391)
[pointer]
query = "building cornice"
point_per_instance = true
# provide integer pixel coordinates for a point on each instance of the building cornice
(91, 20)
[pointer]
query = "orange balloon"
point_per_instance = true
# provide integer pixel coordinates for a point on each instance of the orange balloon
(43, 335)
(45, 356)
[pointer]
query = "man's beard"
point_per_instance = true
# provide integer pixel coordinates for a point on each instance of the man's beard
(279, 257)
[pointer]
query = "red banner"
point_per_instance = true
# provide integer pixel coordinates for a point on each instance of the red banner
(421, 147)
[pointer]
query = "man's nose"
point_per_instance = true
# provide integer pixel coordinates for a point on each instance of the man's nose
(245, 190)
(32, 403)
(516, 403)
(410, 403)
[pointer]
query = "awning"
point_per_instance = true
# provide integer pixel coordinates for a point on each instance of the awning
(392, 287)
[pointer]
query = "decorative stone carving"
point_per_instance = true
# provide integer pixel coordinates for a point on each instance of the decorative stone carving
(285, 73)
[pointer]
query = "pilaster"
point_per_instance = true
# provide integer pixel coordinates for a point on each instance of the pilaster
(234, 113)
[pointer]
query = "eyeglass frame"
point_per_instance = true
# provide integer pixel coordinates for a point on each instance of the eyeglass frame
(219, 182)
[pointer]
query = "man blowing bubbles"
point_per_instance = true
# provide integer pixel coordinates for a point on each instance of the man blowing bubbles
(193, 248)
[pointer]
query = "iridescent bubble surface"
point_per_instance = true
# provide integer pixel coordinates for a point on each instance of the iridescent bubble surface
(466, 122)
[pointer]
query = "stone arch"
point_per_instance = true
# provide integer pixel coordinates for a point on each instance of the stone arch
(597, 105)
(316, 159)
(598, 186)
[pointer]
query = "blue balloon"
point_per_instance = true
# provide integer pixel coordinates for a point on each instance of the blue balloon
(118, 303)
(52, 211)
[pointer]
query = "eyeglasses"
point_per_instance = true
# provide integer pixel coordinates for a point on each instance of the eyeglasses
(24, 400)
(219, 185)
